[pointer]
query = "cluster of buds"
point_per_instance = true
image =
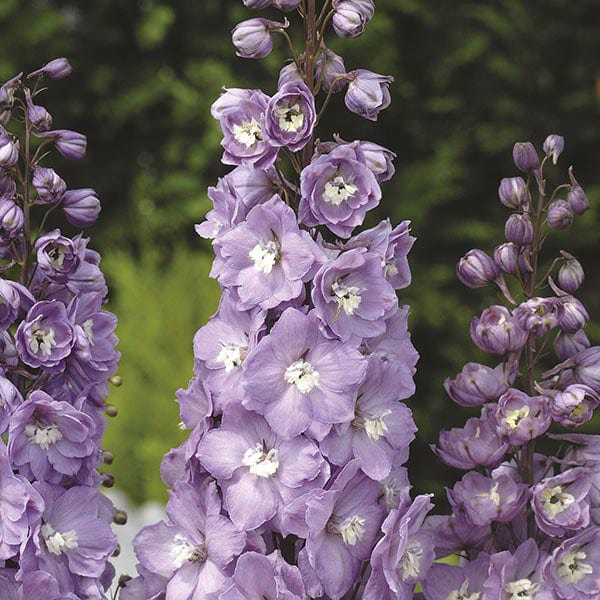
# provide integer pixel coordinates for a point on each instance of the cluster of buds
(526, 515)
(291, 482)
(57, 355)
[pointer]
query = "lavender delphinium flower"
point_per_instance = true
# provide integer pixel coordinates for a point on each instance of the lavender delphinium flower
(57, 355)
(298, 426)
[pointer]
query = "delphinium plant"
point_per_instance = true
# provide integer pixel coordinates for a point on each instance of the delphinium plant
(57, 354)
(291, 483)
(525, 515)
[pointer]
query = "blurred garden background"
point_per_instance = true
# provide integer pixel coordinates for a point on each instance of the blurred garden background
(472, 77)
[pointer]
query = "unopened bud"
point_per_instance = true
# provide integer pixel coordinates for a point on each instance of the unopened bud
(476, 269)
(525, 157)
(111, 410)
(512, 192)
(330, 67)
(567, 345)
(553, 146)
(9, 150)
(124, 580)
(570, 274)
(108, 480)
(252, 38)
(560, 215)
(107, 457)
(117, 551)
(506, 256)
(519, 229)
(116, 380)
(59, 68)
(120, 517)
(577, 199)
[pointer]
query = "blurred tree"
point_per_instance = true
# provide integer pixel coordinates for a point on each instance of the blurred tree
(472, 77)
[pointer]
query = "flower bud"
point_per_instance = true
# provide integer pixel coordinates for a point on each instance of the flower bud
(252, 38)
(257, 4)
(506, 256)
(111, 410)
(9, 150)
(379, 159)
(560, 215)
(571, 314)
(108, 480)
(587, 367)
(497, 331)
(59, 68)
(7, 98)
(476, 269)
(476, 384)
(107, 457)
(81, 207)
(513, 192)
(351, 16)
(11, 218)
(8, 188)
(575, 405)
(570, 274)
(40, 118)
(49, 186)
(70, 144)
(576, 197)
(120, 517)
(519, 229)
(537, 315)
(521, 418)
(289, 74)
(553, 146)
(330, 66)
(286, 5)
(567, 345)
(368, 93)
(525, 157)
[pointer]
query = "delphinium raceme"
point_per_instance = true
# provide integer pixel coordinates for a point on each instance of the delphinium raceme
(525, 516)
(57, 354)
(291, 483)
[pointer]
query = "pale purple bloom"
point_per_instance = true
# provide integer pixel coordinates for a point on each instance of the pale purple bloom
(252, 38)
(538, 315)
(521, 418)
(10, 399)
(577, 199)
(50, 187)
(289, 74)
(195, 550)
(368, 93)
(352, 297)
(560, 215)
(11, 219)
(241, 114)
(258, 472)
(519, 229)
(81, 207)
(560, 503)
(465, 582)
(351, 16)
(56, 256)
(571, 315)
(525, 157)
(513, 192)
(404, 554)
(381, 431)
(553, 146)
(343, 524)
(70, 144)
(267, 258)
(295, 375)
(9, 150)
(574, 405)
(331, 70)
(337, 190)
(291, 116)
(497, 331)
(476, 269)
(13, 297)
(454, 534)
(567, 345)
(59, 68)
(477, 384)
(40, 118)
(380, 160)
(46, 336)
(570, 274)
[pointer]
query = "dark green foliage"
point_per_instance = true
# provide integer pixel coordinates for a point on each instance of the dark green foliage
(472, 77)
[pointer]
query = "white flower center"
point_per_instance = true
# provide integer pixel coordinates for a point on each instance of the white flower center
(183, 551)
(248, 133)
(351, 529)
(261, 462)
(514, 417)
(463, 593)
(555, 500)
(291, 118)
(57, 543)
(347, 296)
(493, 494)
(373, 425)
(410, 563)
(231, 356)
(265, 256)
(389, 492)
(522, 589)
(390, 270)
(88, 329)
(572, 568)
(338, 191)
(44, 437)
(303, 375)
(42, 341)
(56, 254)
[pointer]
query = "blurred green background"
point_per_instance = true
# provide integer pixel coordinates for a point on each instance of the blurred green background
(472, 77)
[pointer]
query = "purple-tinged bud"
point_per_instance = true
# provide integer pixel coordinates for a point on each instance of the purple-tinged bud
(571, 315)
(560, 215)
(519, 229)
(553, 146)
(570, 274)
(289, 74)
(537, 315)
(576, 197)
(11, 218)
(497, 331)
(81, 207)
(8, 188)
(567, 345)
(49, 186)
(575, 405)
(379, 159)
(40, 118)
(252, 38)
(368, 93)
(330, 67)
(513, 193)
(521, 418)
(476, 269)
(59, 68)
(476, 384)
(7, 98)
(506, 257)
(9, 150)
(286, 5)
(525, 157)
(587, 367)
(257, 4)
(70, 144)
(351, 16)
